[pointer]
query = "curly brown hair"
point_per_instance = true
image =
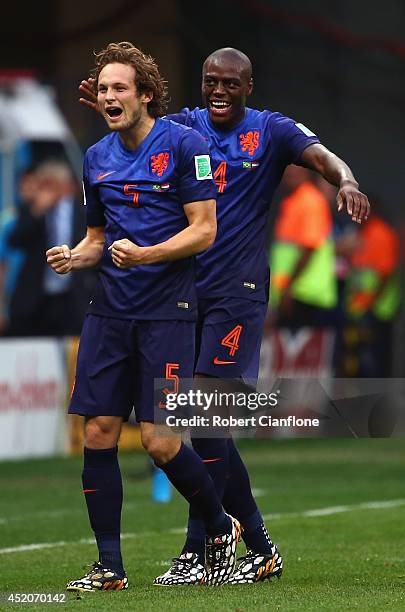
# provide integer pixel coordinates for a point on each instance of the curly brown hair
(147, 76)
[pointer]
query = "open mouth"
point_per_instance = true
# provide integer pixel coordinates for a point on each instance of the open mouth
(219, 107)
(114, 112)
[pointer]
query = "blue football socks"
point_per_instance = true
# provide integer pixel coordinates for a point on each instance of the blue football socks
(214, 454)
(238, 500)
(102, 487)
(189, 476)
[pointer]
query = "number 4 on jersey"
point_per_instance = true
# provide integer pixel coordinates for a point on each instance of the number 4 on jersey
(231, 340)
(220, 177)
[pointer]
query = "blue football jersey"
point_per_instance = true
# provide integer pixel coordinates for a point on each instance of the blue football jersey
(248, 163)
(140, 195)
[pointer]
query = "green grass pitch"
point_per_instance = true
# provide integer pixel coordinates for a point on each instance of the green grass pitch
(347, 555)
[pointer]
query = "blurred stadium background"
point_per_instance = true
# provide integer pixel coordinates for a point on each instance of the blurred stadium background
(339, 68)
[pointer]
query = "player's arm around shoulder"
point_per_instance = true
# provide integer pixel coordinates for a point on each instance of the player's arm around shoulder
(86, 254)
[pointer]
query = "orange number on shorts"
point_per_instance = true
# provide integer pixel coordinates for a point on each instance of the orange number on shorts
(220, 177)
(231, 340)
(171, 376)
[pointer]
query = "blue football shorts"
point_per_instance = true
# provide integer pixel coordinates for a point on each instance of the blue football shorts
(119, 360)
(228, 337)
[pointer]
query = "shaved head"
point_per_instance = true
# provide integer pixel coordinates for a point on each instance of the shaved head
(233, 57)
(226, 84)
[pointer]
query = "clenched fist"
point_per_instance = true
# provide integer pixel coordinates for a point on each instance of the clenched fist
(125, 254)
(60, 258)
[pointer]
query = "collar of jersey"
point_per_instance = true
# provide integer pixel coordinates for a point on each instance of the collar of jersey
(131, 153)
(225, 133)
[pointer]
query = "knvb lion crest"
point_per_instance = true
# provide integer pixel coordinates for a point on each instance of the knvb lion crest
(159, 163)
(249, 142)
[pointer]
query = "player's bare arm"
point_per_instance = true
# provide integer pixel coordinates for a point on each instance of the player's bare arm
(337, 172)
(86, 254)
(198, 236)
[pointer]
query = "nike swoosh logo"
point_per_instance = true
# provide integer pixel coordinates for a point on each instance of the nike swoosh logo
(101, 176)
(218, 361)
(90, 490)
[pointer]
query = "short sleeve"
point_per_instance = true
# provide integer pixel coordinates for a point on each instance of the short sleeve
(184, 117)
(194, 168)
(94, 209)
(290, 137)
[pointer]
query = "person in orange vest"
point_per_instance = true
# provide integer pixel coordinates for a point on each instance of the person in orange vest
(303, 289)
(372, 296)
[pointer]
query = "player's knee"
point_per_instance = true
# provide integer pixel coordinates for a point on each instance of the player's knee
(162, 450)
(102, 432)
(146, 439)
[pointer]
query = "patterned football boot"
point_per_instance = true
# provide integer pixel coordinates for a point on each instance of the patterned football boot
(257, 567)
(185, 570)
(220, 554)
(99, 578)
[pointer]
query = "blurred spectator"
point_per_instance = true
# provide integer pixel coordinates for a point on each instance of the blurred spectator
(11, 259)
(372, 295)
(44, 303)
(302, 258)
